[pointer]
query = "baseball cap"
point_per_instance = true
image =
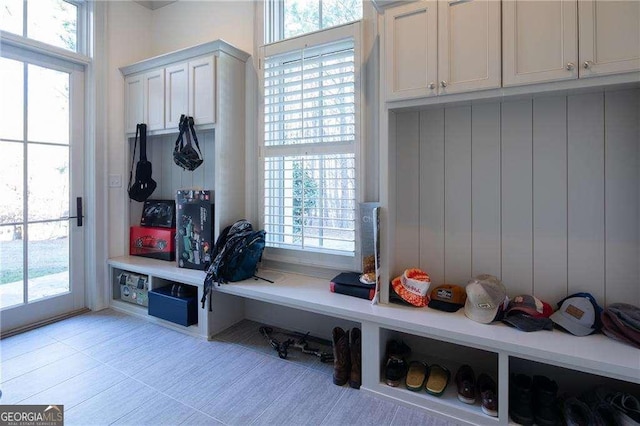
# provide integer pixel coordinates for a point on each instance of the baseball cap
(447, 297)
(412, 286)
(485, 298)
(530, 305)
(579, 314)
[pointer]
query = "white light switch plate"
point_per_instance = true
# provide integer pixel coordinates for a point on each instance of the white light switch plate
(115, 181)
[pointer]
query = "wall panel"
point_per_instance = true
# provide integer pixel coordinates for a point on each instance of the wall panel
(432, 194)
(585, 173)
(485, 183)
(407, 190)
(544, 192)
(457, 195)
(621, 197)
(517, 186)
(550, 197)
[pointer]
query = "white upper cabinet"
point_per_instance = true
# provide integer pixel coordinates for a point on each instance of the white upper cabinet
(177, 88)
(411, 50)
(202, 90)
(154, 99)
(134, 102)
(540, 41)
(609, 37)
(468, 45)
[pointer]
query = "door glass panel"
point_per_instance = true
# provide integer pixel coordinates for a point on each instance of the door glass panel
(48, 110)
(11, 13)
(54, 22)
(48, 259)
(48, 181)
(11, 182)
(11, 266)
(12, 99)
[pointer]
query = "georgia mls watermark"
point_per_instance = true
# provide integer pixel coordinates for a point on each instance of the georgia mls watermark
(31, 415)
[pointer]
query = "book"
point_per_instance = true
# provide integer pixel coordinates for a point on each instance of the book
(351, 279)
(360, 292)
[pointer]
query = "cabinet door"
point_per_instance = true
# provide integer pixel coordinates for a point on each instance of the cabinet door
(411, 50)
(177, 94)
(154, 99)
(540, 41)
(133, 102)
(468, 45)
(609, 37)
(202, 90)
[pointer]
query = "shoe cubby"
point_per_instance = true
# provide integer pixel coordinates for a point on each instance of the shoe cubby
(449, 355)
(571, 382)
(130, 287)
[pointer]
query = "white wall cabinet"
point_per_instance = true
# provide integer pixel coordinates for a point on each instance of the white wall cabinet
(468, 46)
(609, 37)
(133, 102)
(540, 41)
(441, 47)
(177, 87)
(160, 96)
(202, 90)
(412, 50)
(153, 98)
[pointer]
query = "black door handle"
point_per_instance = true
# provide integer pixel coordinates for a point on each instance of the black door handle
(80, 216)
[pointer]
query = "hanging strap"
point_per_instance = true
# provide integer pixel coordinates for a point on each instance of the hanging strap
(133, 158)
(193, 133)
(143, 141)
(181, 128)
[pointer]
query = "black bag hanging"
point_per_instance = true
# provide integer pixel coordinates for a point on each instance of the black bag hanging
(144, 185)
(184, 155)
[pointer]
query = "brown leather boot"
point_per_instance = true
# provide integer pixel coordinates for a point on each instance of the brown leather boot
(355, 378)
(341, 357)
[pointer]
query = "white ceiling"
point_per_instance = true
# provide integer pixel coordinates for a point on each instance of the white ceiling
(154, 4)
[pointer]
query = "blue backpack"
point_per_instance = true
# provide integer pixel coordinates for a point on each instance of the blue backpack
(235, 256)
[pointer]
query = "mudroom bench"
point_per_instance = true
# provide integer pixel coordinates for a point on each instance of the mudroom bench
(448, 339)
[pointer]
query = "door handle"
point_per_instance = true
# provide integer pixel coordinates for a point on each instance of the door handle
(79, 212)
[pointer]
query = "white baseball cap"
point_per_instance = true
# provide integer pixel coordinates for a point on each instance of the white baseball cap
(486, 296)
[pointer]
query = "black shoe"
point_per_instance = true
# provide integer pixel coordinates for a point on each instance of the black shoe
(577, 413)
(545, 404)
(396, 365)
(521, 399)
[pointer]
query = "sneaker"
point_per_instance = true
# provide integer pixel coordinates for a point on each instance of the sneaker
(488, 395)
(521, 399)
(577, 413)
(605, 415)
(627, 405)
(466, 383)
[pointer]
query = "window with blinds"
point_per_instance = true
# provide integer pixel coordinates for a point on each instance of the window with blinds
(310, 122)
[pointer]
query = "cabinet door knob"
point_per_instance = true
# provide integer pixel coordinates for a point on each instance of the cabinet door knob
(570, 66)
(432, 85)
(587, 64)
(443, 83)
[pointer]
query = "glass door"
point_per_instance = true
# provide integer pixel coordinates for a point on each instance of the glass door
(41, 185)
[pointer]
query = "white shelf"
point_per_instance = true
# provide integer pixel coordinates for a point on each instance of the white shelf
(595, 354)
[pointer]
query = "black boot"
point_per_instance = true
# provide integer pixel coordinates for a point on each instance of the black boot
(341, 356)
(355, 379)
(545, 393)
(521, 399)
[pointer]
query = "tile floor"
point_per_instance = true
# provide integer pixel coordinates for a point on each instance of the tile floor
(111, 368)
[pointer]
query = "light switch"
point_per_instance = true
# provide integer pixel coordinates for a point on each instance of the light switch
(115, 181)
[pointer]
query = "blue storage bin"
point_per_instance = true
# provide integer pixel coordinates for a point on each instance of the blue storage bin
(179, 310)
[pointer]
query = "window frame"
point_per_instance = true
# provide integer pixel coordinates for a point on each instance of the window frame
(274, 20)
(309, 257)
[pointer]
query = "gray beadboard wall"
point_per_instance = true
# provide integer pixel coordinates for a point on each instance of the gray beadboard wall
(542, 192)
(171, 177)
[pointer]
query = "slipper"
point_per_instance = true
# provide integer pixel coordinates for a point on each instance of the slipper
(438, 380)
(416, 375)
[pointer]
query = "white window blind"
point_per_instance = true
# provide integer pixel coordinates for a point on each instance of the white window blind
(309, 148)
